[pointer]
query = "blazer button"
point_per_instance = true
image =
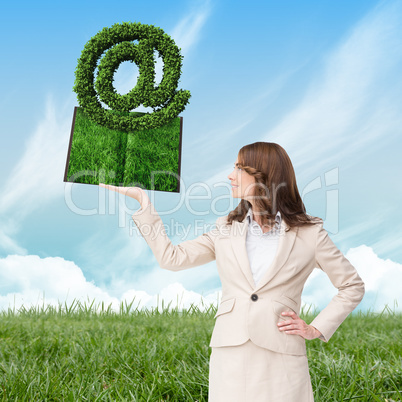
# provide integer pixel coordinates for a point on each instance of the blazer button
(254, 297)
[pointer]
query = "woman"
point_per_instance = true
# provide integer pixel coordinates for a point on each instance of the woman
(265, 249)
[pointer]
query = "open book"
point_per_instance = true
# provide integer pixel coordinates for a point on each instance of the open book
(149, 159)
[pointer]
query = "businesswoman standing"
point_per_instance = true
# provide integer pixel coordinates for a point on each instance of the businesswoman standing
(265, 249)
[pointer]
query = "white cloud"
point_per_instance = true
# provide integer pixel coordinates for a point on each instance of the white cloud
(26, 279)
(10, 244)
(353, 105)
(37, 179)
(351, 108)
(172, 296)
(389, 243)
(382, 280)
(33, 281)
(38, 176)
(188, 31)
(153, 279)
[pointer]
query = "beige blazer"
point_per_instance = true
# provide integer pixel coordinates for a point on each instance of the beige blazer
(252, 312)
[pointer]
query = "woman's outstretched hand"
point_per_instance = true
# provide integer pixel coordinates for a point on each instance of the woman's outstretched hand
(134, 192)
(296, 326)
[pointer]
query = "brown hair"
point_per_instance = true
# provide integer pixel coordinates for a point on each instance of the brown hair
(275, 186)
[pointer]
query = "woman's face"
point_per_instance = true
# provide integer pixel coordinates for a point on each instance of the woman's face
(242, 183)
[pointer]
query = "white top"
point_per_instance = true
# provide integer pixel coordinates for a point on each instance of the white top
(261, 247)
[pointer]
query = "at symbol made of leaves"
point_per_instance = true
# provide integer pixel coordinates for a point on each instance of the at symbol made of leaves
(116, 43)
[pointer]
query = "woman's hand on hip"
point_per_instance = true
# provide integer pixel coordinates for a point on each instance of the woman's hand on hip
(134, 192)
(296, 326)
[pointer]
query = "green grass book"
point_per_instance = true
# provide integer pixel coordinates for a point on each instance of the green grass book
(149, 159)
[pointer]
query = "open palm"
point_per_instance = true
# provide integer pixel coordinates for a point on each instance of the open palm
(134, 192)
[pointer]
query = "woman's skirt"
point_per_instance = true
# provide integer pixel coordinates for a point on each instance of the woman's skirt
(249, 373)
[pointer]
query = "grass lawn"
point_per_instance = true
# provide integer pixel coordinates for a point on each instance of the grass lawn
(82, 354)
(98, 154)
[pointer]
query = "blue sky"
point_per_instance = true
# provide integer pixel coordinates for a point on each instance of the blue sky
(321, 78)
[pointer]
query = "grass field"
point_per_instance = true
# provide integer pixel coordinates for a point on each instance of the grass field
(90, 353)
(124, 159)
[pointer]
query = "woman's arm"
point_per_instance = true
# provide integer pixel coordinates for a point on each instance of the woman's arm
(344, 277)
(187, 254)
